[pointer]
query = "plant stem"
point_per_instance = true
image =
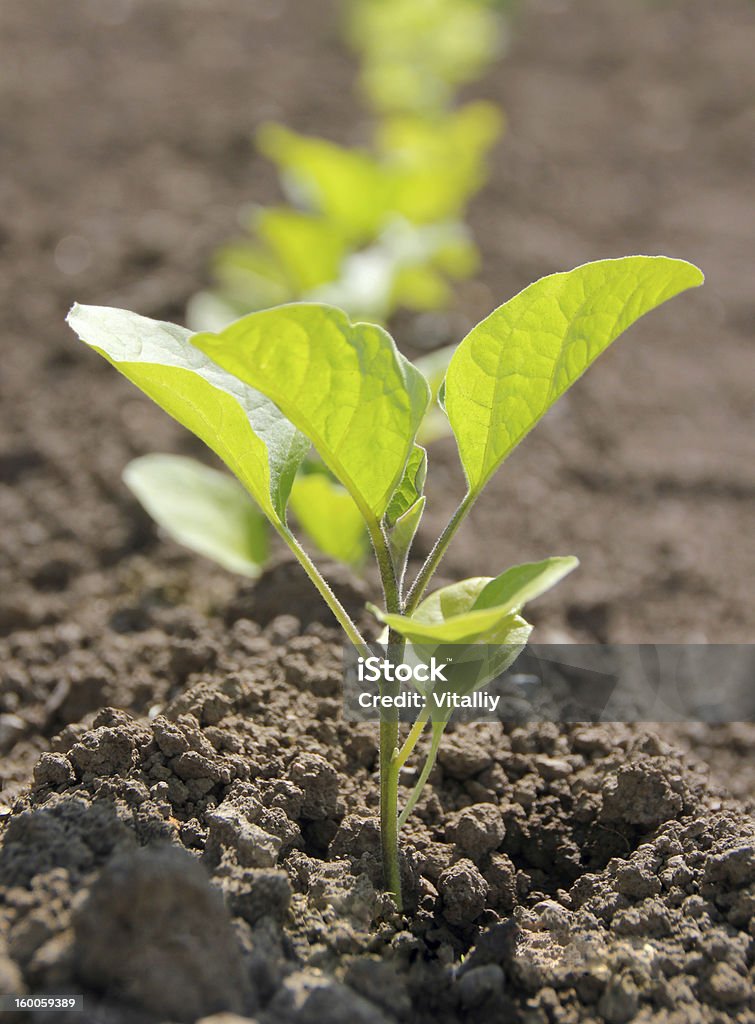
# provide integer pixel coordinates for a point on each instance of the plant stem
(410, 743)
(389, 767)
(439, 549)
(438, 729)
(389, 770)
(327, 594)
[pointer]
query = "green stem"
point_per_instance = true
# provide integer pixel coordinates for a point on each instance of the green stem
(329, 597)
(389, 769)
(439, 549)
(410, 743)
(438, 730)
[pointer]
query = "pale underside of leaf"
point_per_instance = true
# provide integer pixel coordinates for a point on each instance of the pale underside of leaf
(201, 508)
(243, 427)
(344, 385)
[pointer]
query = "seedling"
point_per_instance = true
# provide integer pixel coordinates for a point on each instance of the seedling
(369, 230)
(265, 389)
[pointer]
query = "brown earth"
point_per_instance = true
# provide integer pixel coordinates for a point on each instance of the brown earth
(566, 874)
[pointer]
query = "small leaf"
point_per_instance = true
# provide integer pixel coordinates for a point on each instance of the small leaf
(478, 609)
(348, 186)
(242, 426)
(344, 385)
(523, 583)
(206, 511)
(512, 367)
(328, 514)
(402, 534)
(411, 486)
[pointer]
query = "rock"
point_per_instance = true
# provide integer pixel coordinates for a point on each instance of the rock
(728, 986)
(480, 984)
(261, 893)
(102, 751)
(641, 794)
(307, 997)
(461, 757)
(380, 983)
(464, 892)
(154, 932)
(500, 874)
(230, 827)
(319, 782)
(53, 770)
(619, 1001)
(356, 835)
(476, 830)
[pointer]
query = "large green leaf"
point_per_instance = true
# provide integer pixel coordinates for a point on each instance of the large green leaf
(243, 427)
(512, 367)
(202, 509)
(328, 514)
(344, 385)
(479, 609)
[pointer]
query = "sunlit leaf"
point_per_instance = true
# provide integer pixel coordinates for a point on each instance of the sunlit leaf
(344, 385)
(243, 427)
(478, 609)
(410, 487)
(512, 367)
(402, 533)
(201, 508)
(347, 185)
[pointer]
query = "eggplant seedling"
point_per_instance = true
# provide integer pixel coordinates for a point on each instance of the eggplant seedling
(264, 390)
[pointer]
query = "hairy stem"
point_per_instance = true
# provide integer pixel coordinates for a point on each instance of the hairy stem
(389, 769)
(439, 549)
(343, 617)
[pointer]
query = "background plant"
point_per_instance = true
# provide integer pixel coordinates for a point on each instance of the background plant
(372, 229)
(265, 389)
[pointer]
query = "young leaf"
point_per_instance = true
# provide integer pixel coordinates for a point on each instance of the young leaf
(476, 610)
(523, 583)
(327, 513)
(402, 534)
(243, 427)
(344, 385)
(512, 367)
(411, 486)
(206, 511)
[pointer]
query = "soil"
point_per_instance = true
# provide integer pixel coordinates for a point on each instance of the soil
(206, 845)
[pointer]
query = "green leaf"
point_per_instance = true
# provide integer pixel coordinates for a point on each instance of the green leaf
(243, 427)
(411, 486)
(328, 514)
(348, 186)
(479, 609)
(402, 534)
(206, 511)
(344, 385)
(523, 583)
(512, 367)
